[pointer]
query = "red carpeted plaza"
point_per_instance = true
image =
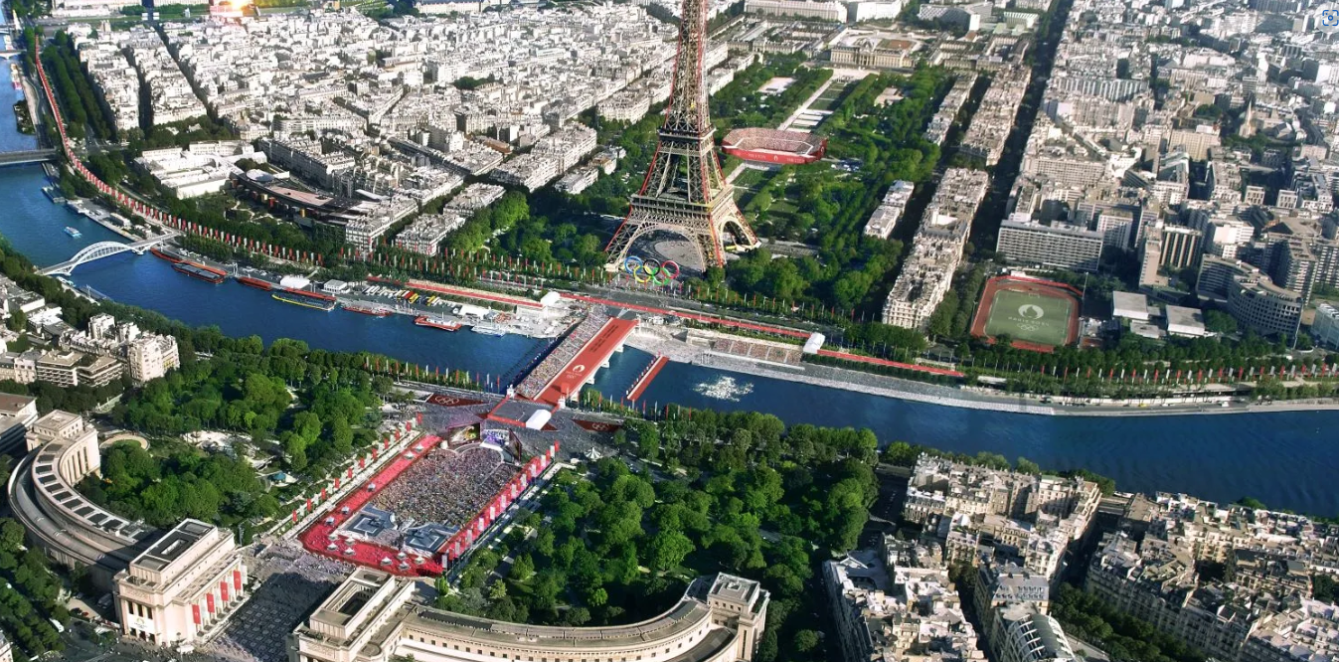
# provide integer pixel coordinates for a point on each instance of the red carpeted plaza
(317, 538)
(1037, 315)
(338, 534)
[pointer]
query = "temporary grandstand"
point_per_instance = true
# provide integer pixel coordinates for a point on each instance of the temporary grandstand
(763, 351)
(775, 146)
(766, 353)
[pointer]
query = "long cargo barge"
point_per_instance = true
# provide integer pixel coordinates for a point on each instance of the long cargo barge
(366, 310)
(254, 282)
(196, 271)
(320, 296)
(437, 323)
(290, 296)
(164, 256)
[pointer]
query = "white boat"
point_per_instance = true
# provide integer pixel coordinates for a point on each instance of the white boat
(489, 329)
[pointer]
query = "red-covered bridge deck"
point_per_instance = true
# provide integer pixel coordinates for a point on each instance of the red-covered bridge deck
(581, 369)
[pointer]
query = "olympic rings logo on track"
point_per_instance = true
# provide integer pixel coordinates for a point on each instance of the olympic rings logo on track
(651, 270)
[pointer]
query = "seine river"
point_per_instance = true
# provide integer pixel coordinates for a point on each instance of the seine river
(1288, 460)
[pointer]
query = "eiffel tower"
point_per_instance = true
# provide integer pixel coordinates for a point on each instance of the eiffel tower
(685, 192)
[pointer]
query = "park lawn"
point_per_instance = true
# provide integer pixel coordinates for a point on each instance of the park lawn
(830, 97)
(782, 211)
(751, 178)
(1051, 328)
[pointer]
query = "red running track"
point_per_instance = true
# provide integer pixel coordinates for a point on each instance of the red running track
(608, 339)
(316, 538)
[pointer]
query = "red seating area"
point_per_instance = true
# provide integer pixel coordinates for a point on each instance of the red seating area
(467, 293)
(891, 364)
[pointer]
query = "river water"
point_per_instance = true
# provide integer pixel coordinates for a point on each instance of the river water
(1286, 459)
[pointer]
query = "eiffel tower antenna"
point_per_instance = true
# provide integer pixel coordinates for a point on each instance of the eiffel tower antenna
(684, 192)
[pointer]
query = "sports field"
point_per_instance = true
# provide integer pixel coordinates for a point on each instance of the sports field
(1036, 314)
(1030, 317)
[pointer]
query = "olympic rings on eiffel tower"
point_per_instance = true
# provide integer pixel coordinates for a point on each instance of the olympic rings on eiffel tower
(650, 270)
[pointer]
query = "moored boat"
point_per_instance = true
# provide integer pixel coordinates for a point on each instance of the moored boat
(297, 299)
(321, 296)
(164, 256)
(375, 311)
(254, 282)
(197, 271)
(437, 323)
(489, 329)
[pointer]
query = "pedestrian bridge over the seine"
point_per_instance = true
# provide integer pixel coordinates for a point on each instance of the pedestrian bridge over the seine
(25, 157)
(103, 249)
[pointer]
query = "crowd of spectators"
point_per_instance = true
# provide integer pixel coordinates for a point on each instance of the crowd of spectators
(553, 364)
(456, 422)
(290, 583)
(759, 351)
(448, 486)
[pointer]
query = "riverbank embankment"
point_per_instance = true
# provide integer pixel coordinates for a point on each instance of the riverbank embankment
(661, 341)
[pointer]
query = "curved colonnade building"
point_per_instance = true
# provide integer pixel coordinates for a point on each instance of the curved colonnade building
(63, 450)
(181, 586)
(169, 587)
(369, 619)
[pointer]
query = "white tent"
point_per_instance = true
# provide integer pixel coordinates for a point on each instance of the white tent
(538, 420)
(294, 282)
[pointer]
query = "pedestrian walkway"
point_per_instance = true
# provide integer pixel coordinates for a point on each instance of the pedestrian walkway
(647, 377)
